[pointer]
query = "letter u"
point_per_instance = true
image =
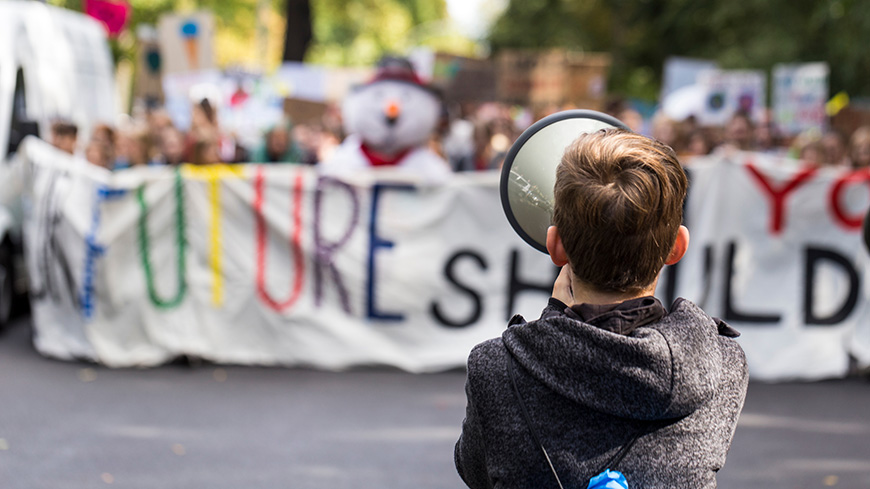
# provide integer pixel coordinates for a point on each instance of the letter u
(295, 243)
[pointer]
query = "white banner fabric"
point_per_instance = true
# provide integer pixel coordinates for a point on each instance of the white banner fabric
(277, 265)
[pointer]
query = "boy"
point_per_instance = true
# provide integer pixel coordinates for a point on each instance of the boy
(608, 379)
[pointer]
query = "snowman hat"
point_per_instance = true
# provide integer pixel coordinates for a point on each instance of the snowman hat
(394, 68)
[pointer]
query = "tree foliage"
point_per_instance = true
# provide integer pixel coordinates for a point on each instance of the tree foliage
(358, 32)
(640, 35)
(346, 32)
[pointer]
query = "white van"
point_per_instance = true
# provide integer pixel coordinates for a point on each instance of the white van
(54, 64)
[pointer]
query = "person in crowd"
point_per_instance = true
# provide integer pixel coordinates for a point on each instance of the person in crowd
(206, 149)
(203, 124)
(607, 378)
(811, 151)
(64, 135)
(739, 132)
(316, 142)
(171, 146)
(134, 148)
(277, 147)
(698, 143)
(231, 150)
(631, 118)
(859, 147)
(100, 149)
(667, 131)
(492, 140)
(834, 148)
(767, 136)
(158, 119)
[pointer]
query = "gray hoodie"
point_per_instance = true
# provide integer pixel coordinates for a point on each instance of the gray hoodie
(594, 379)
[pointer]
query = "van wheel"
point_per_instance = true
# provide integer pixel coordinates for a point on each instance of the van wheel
(7, 283)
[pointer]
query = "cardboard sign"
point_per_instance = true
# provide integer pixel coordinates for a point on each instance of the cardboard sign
(187, 42)
(799, 95)
(554, 78)
(730, 91)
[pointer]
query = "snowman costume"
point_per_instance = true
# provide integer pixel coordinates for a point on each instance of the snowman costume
(389, 121)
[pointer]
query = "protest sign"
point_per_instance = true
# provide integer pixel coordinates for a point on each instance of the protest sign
(799, 95)
(249, 103)
(555, 77)
(730, 91)
(682, 72)
(186, 42)
(278, 265)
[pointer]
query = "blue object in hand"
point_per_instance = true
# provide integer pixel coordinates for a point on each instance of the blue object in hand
(609, 479)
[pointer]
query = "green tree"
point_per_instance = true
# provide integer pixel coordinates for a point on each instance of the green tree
(750, 34)
(338, 32)
(358, 32)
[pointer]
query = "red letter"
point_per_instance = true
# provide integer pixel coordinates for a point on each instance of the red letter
(295, 243)
(851, 223)
(778, 195)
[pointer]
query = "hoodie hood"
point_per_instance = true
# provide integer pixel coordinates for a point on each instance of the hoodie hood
(632, 362)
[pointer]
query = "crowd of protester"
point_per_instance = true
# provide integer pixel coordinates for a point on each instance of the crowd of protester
(470, 137)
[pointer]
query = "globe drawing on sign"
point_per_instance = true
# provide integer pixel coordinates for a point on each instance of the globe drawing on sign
(716, 101)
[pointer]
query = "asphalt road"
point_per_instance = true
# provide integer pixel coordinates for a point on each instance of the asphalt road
(75, 425)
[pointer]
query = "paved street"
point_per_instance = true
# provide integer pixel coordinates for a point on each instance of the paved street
(74, 425)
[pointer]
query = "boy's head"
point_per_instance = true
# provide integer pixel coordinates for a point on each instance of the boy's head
(618, 209)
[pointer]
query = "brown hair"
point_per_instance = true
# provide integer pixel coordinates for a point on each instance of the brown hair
(64, 128)
(618, 207)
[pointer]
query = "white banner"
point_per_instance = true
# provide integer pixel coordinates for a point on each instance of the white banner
(259, 264)
(776, 251)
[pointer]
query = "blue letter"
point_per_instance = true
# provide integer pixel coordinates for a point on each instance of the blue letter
(378, 242)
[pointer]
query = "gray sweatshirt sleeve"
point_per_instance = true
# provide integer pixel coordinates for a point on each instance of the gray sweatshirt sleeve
(469, 454)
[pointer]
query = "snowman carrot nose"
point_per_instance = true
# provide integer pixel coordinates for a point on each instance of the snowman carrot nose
(392, 110)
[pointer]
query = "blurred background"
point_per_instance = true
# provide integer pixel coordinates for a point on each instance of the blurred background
(146, 103)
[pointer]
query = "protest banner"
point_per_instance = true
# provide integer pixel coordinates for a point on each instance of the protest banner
(799, 95)
(278, 265)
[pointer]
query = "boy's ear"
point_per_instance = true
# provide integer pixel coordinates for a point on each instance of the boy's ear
(680, 246)
(555, 248)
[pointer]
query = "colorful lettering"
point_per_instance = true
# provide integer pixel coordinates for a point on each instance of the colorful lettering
(778, 195)
(854, 222)
(94, 250)
(376, 242)
(295, 243)
(181, 246)
(213, 174)
(324, 252)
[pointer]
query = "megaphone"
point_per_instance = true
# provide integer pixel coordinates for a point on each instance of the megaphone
(529, 171)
